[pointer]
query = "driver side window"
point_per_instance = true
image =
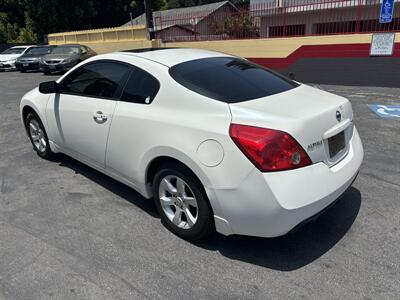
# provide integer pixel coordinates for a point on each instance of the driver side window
(101, 79)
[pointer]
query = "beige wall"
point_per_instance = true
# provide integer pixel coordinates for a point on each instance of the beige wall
(275, 47)
(107, 47)
(107, 39)
(134, 37)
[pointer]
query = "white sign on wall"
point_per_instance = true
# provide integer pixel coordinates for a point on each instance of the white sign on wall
(382, 44)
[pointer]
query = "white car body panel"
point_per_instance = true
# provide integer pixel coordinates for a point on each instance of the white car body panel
(38, 102)
(194, 130)
(179, 55)
(72, 126)
(306, 113)
(276, 202)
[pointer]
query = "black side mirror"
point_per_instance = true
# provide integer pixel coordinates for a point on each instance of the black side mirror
(49, 87)
(292, 76)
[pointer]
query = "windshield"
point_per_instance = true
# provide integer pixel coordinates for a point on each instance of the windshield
(14, 51)
(38, 51)
(66, 50)
(229, 79)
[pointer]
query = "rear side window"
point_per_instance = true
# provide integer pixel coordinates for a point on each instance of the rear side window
(229, 79)
(141, 87)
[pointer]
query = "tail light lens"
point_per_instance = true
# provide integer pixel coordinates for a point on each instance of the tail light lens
(269, 149)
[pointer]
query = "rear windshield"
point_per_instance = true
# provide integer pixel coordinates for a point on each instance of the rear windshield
(229, 79)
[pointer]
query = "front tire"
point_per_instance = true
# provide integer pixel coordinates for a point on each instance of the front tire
(182, 203)
(38, 136)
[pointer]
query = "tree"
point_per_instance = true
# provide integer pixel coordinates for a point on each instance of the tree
(28, 21)
(26, 34)
(138, 6)
(238, 25)
(42, 17)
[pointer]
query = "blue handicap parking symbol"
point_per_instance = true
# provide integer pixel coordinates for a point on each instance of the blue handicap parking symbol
(387, 8)
(386, 111)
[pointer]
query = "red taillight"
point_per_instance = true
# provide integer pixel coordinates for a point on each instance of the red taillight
(269, 149)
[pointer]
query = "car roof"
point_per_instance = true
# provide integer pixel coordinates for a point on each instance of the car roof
(23, 46)
(69, 45)
(172, 56)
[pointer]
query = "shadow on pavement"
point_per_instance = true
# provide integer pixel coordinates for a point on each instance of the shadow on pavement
(297, 249)
(286, 253)
(108, 183)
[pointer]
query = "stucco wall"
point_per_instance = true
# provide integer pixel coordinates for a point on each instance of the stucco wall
(107, 47)
(333, 59)
(106, 39)
(276, 47)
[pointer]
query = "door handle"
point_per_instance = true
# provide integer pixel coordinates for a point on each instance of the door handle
(99, 117)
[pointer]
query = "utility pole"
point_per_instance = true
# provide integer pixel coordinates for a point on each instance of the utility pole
(149, 19)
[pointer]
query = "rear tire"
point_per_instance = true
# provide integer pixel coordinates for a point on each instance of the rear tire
(182, 203)
(38, 136)
(46, 73)
(23, 71)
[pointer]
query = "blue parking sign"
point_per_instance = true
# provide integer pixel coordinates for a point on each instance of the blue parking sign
(386, 11)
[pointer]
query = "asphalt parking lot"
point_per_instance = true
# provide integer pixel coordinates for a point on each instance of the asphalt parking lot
(69, 232)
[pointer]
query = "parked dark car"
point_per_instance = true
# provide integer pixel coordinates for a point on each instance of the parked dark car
(65, 57)
(30, 60)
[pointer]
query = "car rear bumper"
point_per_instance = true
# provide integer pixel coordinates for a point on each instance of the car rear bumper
(272, 204)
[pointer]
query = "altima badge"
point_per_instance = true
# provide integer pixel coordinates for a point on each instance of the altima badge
(314, 146)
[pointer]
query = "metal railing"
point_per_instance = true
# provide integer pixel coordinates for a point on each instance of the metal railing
(277, 18)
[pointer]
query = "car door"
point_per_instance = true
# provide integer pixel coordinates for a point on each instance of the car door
(79, 117)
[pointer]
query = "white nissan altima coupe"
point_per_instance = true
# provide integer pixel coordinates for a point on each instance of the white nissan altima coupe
(220, 143)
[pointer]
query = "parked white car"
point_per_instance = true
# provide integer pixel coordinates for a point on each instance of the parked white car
(9, 56)
(220, 143)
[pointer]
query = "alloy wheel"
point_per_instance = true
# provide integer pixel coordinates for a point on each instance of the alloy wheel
(37, 135)
(178, 202)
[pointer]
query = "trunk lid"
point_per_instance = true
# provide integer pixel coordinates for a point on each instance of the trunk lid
(321, 122)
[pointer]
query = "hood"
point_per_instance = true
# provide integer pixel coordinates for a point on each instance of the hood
(7, 57)
(306, 113)
(60, 56)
